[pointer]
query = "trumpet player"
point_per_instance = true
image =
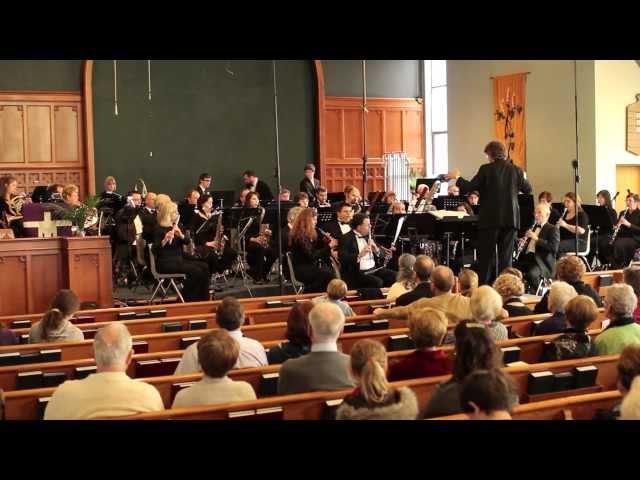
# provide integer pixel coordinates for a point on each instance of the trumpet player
(357, 256)
(626, 233)
(538, 258)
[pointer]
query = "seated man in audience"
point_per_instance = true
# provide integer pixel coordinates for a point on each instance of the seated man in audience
(488, 395)
(453, 305)
(324, 368)
(427, 328)
(570, 269)
(423, 267)
(560, 294)
(336, 291)
(217, 354)
(229, 316)
(632, 278)
(620, 303)
(109, 392)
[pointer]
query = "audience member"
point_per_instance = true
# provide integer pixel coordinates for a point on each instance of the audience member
(336, 291)
(55, 325)
(620, 304)
(229, 316)
(298, 335)
(422, 268)
(559, 295)
(488, 395)
(511, 289)
(324, 368)
(574, 342)
(7, 337)
(427, 328)
(109, 392)
(374, 398)
(468, 282)
(405, 281)
(486, 308)
(632, 278)
(217, 353)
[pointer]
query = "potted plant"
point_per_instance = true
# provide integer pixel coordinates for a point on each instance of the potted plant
(80, 215)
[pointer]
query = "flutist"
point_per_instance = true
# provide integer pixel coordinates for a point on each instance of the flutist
(626, 234)
(540, 245)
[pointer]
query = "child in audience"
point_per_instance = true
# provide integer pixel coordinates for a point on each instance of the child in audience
(336, 291)
(427, 328)
(488, 395)
(217, 354)
(55, 325)
(374, 398)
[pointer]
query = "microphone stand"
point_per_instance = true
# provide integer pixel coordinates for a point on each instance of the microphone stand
(275, 113)
(576, 180)
(364, 129)
(574, 163)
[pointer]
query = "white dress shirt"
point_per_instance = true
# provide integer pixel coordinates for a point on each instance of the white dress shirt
(252, 354)
(367, 262)
(324, 347)
(344, 228)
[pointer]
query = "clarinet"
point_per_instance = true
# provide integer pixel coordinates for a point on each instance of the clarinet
(524, 242)
(617, 229)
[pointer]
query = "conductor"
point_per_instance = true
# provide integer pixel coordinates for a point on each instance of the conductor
(498, 183)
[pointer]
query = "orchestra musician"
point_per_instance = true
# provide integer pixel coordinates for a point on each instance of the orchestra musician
(9, 218)
(285, 195)
(253, 183)
(188, 208)
(603, 199)
(453, 191)
(292, 214)
(357, 256)
(547, 199)
(567, 225)
(342, 224)
(301, 200)
(218, 254)
(538, 259)
(351, 197)
(204, 183)
(168, 242)
(109, 197)
(309, 184)
(242, 197)
(308, 248)
(148, 216)
(389, 198)
(498, 183)
(260, 255)
(627, 240)
(129, 228)
(321, 198)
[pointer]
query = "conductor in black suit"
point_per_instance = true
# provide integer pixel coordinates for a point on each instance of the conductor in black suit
(309, 184)
(253, 183)
(357, 255)
(498, 183)
(538, 259)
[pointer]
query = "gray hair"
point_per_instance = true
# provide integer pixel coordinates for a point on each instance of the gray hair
(485, 304)
(327, 321)
(405, 268)
(559, 295)
(111, 345)
(621, 300)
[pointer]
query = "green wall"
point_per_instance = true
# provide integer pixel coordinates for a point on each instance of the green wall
(16, 75)
(202, 119)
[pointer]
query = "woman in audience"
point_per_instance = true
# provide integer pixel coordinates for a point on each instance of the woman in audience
(567, 224)
(427, 328)
(622, 330)
(486, 308)
(475, 349)
(468, 282)
(512, 271)
(570, 269)
(374, 398)
(632, 278)
(55, 325)
(307, 248)
(298, 335)
(560, 294)
(628, 371)
(575, 342)
(511, 289)
(488, 395)
(7, 337)
(406, 279)
(217, 354)
(168, 242)
(336, 291)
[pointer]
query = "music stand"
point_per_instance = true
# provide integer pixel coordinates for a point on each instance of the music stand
(242, 253)
(326, 215)
(209, 221)
(600, 222)
(525, 202)
(333, 197)
(227, 197)
(375, 197)
(40, 194)
(448, 202)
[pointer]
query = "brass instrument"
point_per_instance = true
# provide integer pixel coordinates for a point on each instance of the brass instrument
(15, 205)
(143, 187)
(618, 226)
(264, 237)
(220, 238)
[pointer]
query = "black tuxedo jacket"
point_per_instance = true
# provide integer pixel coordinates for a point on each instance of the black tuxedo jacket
(310, 188)
(264, 191)
(201, 190)
(498, 183)
(348, 254)
(149, 221)
(547, 249)
(333, 227)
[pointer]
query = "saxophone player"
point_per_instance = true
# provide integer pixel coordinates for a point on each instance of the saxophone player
(210, 243)
(260, 255)
(627, 239)
(538, 258)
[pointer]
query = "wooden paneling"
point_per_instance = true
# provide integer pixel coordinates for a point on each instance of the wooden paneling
(88, 267)
(392, 125)
(41, 139)
(39, 134)
(11, 134)
(627, 177)
(13, 299)
(45, 279)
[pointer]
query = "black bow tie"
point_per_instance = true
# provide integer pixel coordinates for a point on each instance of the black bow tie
(344, 223)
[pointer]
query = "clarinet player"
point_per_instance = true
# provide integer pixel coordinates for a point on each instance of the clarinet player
(626, 233)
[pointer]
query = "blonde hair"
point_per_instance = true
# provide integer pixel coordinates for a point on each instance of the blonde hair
(165, 213)
(427, 327)
(68, 190)
(486, 304)
(559, 295)
(508, 285)
(369, 365)
(337, 289)
(293, 214)
(162, 198)
(468, 280)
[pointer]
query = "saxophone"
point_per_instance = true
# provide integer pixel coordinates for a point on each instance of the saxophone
(265, 234)
(220, 238)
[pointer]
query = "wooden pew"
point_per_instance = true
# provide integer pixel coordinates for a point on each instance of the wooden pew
(22, 404)
(577, 407)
